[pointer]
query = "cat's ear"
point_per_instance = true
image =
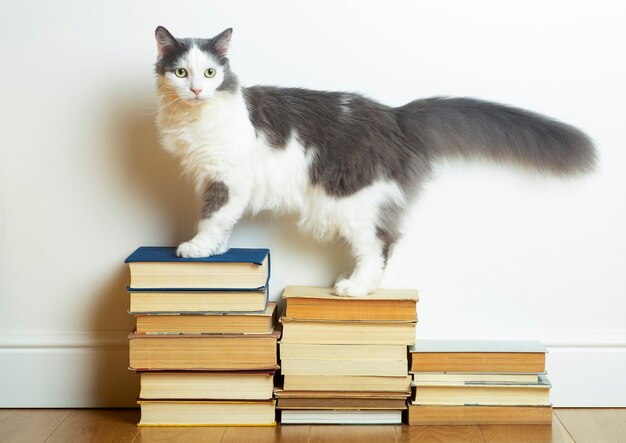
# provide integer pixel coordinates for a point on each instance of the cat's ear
(221, 43)
(166, 42)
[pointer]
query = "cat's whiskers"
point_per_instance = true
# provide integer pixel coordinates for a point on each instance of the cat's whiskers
(173, 114)
(159, 106)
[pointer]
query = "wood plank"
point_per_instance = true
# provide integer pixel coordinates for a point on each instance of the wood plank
(594, 425)
(97, 425)
(356, 434)
(527, 433)
(5, 413)
(448, 434)
(30, 425)
(175, 434)
(295, 433)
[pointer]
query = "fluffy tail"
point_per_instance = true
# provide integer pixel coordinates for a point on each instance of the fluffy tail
(453, 127)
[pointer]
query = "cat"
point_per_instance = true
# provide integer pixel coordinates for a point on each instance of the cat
(347, 165)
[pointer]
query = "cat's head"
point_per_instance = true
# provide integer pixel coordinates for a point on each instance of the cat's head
(193, 69)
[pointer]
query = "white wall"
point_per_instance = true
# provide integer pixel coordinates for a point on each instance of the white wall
(494, 252)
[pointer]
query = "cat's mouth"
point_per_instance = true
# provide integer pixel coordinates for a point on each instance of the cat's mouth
(196, 99)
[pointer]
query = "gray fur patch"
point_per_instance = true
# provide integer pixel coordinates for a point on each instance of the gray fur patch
(215, 196)
(356, 140)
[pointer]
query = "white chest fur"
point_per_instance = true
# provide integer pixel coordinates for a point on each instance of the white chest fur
(213, 140)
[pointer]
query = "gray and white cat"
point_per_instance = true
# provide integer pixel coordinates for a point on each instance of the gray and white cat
(347, 165)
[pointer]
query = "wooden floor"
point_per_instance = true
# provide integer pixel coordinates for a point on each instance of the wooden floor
(119, 426)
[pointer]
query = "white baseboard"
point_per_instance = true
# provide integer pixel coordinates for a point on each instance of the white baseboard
(69, 370)
(90, 369)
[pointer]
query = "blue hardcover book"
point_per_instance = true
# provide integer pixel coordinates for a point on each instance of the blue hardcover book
(159, 269)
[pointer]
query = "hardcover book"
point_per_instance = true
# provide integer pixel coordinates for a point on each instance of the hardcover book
(483, 393)
(343, 367)
(192, 302)
(208, 323)
(479, 415)
(207, 413)
(356, 353)
(248, 385)
(453, 377)
(159, 269)
(341, 403)
(319, 303)
(216, 352)
(477, 356)
(279, 392)
(348, 332)
(347, 383)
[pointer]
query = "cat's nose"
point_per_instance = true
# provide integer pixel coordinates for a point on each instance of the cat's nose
(196, 91)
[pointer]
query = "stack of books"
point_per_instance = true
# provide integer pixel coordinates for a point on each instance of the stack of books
(344, 360)
(479, 382)
(204, 344)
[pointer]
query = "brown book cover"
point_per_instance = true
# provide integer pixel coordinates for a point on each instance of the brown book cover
(341, 403)
(203, 351)
(382, 395)
(319, 303)
(479, 415)
(477, 356)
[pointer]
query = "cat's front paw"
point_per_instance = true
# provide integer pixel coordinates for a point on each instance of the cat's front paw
(191, 249)
(348, 288)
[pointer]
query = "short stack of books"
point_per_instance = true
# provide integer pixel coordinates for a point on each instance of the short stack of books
(344, 360)
(479, 382)
(205, 344)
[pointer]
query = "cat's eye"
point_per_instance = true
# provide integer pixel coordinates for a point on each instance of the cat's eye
(181, 73)
(210, 72)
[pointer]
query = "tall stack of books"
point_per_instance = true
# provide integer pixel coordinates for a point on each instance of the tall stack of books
(204, 345)
(344, 360)
(479, 382)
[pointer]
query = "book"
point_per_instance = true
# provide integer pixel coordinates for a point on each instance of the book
(477, 356)
(343, 367)
(479, 415)
(340, 417)
(191, 302)
(319, 303)
(158, 268)
(206, 413)
(279, 392)
(236, 323)
(203, 351)
(483, 393)
(348, 332)
(249, 385)
(308, 351)
(341, 403)
(346, 383)
(451, 377)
